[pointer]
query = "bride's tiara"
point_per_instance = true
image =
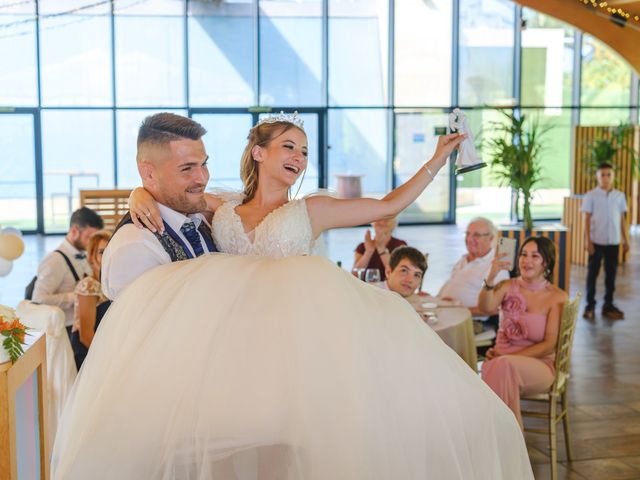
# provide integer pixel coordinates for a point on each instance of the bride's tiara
(292, 118)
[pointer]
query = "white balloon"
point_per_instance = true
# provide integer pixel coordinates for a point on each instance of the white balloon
(11, 231)
(5, 267)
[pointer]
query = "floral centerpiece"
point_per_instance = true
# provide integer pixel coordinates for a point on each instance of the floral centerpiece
(12, 334)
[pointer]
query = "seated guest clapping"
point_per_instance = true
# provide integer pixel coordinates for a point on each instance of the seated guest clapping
(88, 296)
(466, 277)
(522, 361)
(405, 271)
(375, 252)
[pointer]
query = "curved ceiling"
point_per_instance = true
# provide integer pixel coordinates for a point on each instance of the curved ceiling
(620, 33)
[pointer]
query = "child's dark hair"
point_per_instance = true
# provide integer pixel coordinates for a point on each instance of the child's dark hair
(604, 165)
(412, 254)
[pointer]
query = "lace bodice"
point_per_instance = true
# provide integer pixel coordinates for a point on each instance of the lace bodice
(285, 232)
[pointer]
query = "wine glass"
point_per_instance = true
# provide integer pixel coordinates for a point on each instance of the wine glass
(372, 275)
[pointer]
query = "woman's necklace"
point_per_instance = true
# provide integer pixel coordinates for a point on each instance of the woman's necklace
(533, 286)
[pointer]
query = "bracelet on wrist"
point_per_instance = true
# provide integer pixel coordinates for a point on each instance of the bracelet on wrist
(383, 252)
(426, 167)
(486, 285)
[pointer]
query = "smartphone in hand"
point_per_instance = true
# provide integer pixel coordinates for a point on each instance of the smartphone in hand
(508, 246)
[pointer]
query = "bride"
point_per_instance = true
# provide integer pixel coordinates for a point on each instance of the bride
(267, 363)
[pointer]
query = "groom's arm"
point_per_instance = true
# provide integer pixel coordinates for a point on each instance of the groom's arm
(130, 253)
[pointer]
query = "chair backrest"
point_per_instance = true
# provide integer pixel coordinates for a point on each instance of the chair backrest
(111, 205)
(565, 342)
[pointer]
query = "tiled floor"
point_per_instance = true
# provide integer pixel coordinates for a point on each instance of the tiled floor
(605, 382)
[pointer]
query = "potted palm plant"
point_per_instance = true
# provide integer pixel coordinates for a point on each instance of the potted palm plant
(514, 153)
(604, 149)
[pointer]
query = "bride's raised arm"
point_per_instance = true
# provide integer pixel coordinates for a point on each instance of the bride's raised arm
(327, 212)
(145, 213)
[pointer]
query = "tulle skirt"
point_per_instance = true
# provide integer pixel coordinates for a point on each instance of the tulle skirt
(247, 368)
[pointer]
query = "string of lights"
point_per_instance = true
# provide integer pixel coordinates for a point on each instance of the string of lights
(611, 10)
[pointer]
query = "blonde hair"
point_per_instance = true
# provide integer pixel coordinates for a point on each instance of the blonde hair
(94, 241)
(260, 135)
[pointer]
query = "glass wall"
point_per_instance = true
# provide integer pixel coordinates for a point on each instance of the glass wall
(606, 85)
(18, 75)
(416, 140)
(17, 171)
(358, 52)
(359, 144)
(486, 52)
(374, 80)
(548, 48)
(422, 54)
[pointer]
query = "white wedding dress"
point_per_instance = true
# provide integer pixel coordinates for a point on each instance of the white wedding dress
(266, 364)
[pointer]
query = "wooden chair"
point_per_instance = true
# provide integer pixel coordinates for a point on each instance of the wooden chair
(111, 205)
(558, 390)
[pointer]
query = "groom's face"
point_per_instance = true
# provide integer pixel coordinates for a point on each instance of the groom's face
(177, 174)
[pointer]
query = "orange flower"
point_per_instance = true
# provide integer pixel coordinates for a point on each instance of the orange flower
(15, 324)
(12, 326)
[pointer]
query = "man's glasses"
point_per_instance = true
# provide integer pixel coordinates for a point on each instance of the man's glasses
(475, 235)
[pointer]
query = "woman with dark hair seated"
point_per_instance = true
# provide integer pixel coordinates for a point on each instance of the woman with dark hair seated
(88, 298)
(522, 360)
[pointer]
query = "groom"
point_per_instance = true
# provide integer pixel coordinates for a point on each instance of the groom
(172, 163)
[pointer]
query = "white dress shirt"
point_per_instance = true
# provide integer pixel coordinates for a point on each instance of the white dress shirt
(606, 209)
(466, 279)
(55, 284)
(132, 251)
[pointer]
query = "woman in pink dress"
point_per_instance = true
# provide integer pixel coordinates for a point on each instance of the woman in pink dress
(522, 360)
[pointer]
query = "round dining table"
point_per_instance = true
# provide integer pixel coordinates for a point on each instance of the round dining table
(452, 322)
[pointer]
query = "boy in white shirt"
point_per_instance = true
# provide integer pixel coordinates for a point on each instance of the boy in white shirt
(604, 210)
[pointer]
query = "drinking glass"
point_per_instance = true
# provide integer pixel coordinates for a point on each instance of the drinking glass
(372, 275)
(358, 273)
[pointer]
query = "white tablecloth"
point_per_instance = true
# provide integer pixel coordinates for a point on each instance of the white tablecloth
(61, 366)
(454, 325)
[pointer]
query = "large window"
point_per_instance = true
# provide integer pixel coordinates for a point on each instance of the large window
(423, 53)
(486, 52)
(358, 147)
(480, 192)
(75, 54)
(17, 171)
(373, 79)
(547, 77)
(547, 61)
(415, 142)
(221, 70)
(150, 54)
(606, 85)
(78, 152)
(18, 75)
(291, 52)
(358, 52)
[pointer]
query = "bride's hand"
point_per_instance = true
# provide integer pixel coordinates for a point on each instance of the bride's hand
(447, 144)
(144, 210)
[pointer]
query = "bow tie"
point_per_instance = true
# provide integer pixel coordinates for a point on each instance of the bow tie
(80, 256)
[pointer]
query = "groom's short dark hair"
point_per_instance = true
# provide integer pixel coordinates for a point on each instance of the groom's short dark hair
(165, 127)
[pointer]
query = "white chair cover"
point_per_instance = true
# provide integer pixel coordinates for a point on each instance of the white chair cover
(61, 366)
